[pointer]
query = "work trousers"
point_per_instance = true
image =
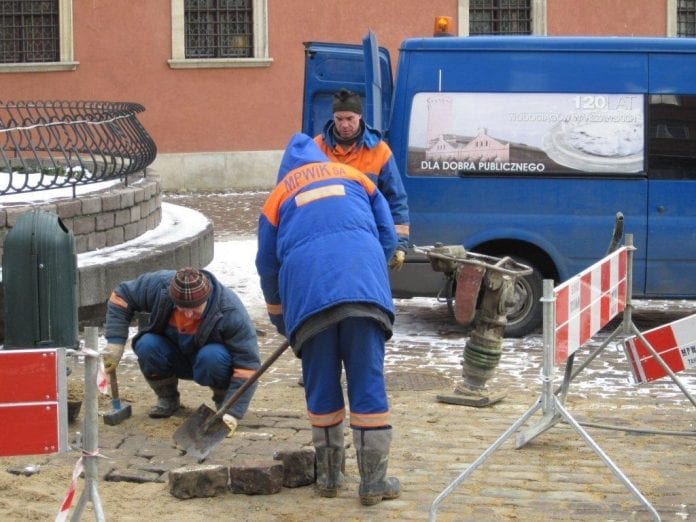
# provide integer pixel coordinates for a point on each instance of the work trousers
(159, 357)
(356, 344)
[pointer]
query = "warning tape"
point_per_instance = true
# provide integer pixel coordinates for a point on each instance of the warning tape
(102, 381)
(587, 302)
(67, 501)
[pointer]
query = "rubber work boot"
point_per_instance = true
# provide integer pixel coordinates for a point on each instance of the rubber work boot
(372, 449)
(167, 397)
(330, 450)
(218, 396)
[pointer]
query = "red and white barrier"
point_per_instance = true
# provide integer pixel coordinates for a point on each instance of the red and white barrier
(30, 402)
(675, 343)
(588, 301)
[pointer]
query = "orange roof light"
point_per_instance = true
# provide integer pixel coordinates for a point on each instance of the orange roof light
(443, 26)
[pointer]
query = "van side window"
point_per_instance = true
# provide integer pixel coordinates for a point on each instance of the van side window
(672, 136)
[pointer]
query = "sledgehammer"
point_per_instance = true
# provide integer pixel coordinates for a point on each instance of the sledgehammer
(118, 412)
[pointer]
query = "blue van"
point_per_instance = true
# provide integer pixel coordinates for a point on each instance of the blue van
(528, 147)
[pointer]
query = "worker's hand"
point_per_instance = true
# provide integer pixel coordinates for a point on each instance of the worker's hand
(231, 422)
(112, 356)
(278, 321)
(397, 260)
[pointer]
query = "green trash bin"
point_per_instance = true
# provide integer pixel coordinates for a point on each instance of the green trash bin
(39, 274)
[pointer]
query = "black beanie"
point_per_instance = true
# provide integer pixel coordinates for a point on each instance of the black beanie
(345, 100)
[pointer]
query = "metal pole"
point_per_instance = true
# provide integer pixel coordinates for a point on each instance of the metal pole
(549, 414)
(90, 447)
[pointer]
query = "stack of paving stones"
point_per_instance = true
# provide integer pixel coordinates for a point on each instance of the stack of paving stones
(267, 452)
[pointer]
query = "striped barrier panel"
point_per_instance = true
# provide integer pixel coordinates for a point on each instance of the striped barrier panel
(585, 303)
(33, 402)
(674, 342)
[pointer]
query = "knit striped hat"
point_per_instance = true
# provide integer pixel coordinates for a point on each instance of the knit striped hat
(189, 288)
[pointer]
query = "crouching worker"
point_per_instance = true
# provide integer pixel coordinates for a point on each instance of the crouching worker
(325, 236)
(198, 330)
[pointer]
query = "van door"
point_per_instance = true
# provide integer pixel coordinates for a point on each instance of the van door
(364, 69)
(671, 245)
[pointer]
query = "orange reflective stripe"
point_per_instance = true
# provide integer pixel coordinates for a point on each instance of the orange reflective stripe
(274, 309)
(117, 300)
(369, 420)
(403, 230)
(242, 373)
(327, 419)
(297, 179)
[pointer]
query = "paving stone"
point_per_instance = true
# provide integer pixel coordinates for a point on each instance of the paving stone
(161, 450)
(263, 477)
(298, 467)
(132, 475)
(203, 480)
(27, 470)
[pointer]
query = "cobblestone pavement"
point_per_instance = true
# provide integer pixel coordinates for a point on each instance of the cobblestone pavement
(647, 431)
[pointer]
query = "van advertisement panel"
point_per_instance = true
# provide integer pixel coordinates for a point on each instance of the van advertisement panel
(457, 134)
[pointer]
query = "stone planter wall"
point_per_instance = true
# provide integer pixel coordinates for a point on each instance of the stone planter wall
(100, 219)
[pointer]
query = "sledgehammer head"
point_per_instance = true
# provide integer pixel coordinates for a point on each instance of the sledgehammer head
(118, 414)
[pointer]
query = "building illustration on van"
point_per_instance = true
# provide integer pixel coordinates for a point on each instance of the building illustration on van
(481, 148)
(443, 144)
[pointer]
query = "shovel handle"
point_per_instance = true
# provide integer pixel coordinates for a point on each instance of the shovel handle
(244, 387)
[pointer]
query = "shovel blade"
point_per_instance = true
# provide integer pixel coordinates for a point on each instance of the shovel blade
(198, 436)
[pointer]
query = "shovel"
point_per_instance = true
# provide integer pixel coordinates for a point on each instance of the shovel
(205, 429)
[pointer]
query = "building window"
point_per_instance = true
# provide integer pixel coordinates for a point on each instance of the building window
(686, 18)
(500, 17)
(29, 31)
(219, 33)
(219, 28)
(36, 36)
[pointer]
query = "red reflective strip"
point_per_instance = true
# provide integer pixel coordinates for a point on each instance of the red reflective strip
(585, 308)
(326, 419)
(561, 352)
(403, 230)
(274, 309)
(242, 373)
(562, 306)
(117, 300)
(369, 420)
(623, 262)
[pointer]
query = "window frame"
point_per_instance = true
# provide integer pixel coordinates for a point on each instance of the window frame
(65, 41)
(672, 28)
(260, 59)
(538, 13)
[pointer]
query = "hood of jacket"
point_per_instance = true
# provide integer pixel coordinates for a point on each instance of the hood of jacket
(300, 151)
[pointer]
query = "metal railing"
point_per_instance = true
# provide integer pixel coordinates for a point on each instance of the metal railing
(61, 144)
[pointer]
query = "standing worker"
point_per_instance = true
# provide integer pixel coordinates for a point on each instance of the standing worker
(198, 330)
(325, 235)
(346, 138)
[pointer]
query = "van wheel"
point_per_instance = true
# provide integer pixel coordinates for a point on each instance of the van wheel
(525, 315)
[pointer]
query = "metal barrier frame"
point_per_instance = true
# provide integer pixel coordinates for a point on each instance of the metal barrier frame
(551, 404)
